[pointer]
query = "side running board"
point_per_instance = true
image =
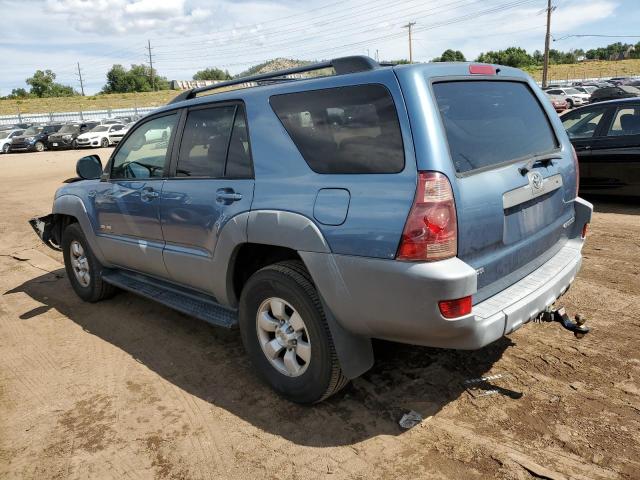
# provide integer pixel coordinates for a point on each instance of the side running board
(189, 303)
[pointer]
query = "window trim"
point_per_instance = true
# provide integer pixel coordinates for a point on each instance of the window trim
(635, 106)
(395, 107)
(544, 106)
(109, 166)
(175, 154)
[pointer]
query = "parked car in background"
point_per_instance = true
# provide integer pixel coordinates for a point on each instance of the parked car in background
(117, 135)
(67, 135)
(35, 138)
(98, 136)
(614, 93)
(446, 219)
(573, 97)
(15, 126)
(5, 139)
(606, 137)
(558, 102)
(620, 80)
(111, 121)
(587, 89)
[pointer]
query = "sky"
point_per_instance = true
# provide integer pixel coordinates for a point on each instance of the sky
(189, 35)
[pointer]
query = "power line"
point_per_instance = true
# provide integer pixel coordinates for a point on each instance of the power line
(153, 83)
(594, 35)
(80, 78)
(408, 26)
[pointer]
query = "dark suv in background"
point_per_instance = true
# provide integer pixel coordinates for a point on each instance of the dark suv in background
(34, 138)
(67, 135)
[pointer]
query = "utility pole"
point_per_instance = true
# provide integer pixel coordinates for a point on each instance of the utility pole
(409, 25)
(153, 83)
(547, 39)
(80, 77)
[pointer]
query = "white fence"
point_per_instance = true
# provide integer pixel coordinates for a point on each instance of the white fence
(74, 116)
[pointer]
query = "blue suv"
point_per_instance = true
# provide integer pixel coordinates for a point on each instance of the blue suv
(431, 204)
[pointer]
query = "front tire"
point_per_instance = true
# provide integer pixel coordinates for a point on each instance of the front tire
(39, 147)
(83, 269)
(569, 104)
(5, 148)
(74, 144)
(286, 335)
(104, 143)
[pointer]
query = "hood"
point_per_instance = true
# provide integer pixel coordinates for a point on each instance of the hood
(90, 134)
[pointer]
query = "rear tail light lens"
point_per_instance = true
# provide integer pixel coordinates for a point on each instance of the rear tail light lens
(585, 230)
(577, 167)
(455, 308)
(431, 231)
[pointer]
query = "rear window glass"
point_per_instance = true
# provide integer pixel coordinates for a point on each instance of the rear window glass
(490, 122)
(344, 130)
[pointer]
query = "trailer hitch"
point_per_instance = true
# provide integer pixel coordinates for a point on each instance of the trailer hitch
(560, 315)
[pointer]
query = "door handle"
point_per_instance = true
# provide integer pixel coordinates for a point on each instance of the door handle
(149, 194)
(228, 196)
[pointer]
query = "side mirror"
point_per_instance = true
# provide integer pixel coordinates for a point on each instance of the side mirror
(89, 167)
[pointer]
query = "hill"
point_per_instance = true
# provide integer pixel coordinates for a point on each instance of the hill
(151, 99)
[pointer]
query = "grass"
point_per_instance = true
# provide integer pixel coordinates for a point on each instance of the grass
(153, 99)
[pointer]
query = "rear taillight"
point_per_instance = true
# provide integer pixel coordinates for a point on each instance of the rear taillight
(455, 308)
(585, 230)
(431, 231)
(577, 167)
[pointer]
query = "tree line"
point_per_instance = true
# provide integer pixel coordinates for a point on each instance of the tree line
(141, 78)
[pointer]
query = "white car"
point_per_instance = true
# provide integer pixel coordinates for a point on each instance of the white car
(116, 136)
(5, 139)
(574, 98)
(98, 136)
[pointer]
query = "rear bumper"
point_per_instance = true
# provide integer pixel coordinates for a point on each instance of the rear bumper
(399, 301)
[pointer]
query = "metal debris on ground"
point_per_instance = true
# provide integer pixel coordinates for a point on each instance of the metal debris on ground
(410, 420)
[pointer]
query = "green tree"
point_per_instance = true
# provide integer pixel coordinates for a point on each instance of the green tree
(512, 57)
(18, 93)
(212, 74)
(136, 79)
(43, 84)
(451, 56)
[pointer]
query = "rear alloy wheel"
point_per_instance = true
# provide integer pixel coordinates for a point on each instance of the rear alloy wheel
(286, 335)
(104, 143)
(39, 147)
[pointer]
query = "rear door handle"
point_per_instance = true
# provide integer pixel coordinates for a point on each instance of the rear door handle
(228, 196)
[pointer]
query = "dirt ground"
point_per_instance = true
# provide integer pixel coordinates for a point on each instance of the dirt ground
(130, 389)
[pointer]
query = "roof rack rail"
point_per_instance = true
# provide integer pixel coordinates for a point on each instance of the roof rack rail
(342, 66)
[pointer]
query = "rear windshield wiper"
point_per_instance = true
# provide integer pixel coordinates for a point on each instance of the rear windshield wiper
(527, 167)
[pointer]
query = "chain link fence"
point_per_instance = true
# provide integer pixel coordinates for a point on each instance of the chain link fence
(79, 116)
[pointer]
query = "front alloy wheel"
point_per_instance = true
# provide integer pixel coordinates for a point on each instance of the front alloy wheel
(283, 337)
(79, 263)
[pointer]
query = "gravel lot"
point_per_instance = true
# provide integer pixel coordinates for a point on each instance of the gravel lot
(130, 389)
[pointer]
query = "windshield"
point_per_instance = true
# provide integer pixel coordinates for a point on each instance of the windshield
(572, 91)
(4, 134)
(32, 131)
(69, 129)
(100, 128)
(630, 89)
(492, 122)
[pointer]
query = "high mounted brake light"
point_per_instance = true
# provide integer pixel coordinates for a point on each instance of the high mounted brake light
(482, 70)
(431, 230)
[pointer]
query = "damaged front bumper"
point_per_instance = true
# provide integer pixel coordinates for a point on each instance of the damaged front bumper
(45, 229)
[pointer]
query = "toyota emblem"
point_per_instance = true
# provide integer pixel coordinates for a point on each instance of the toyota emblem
(536, 180)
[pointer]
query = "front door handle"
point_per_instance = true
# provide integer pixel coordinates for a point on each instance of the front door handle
(149, 194)
(227, 195)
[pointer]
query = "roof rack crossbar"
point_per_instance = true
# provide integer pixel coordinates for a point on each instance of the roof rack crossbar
(341, 66)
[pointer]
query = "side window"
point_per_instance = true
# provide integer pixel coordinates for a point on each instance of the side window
(626, 122)
(143, 154)
(239, 157)
(203, 150)
(555, 92)
(344, 130)
(583, 123)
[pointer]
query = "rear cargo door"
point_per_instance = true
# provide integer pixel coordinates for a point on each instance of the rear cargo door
(514, 186)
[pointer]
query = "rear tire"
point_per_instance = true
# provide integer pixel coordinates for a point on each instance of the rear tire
(83, 269)
(279, 304)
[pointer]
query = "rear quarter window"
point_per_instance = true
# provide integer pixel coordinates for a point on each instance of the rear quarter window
(344, 130)
(492, 122)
